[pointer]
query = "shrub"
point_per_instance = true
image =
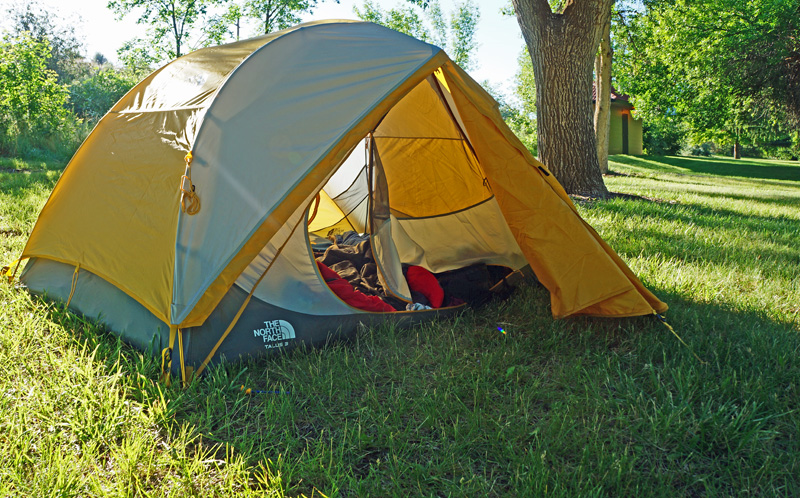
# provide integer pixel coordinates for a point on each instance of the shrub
(32, 102)
(93, 96)
(704, 149)
(663, 137)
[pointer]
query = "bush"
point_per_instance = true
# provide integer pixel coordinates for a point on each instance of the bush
(663, 137)
(786, 148)
(52, 147)
(32, 102)
(93, 96)
(705, 149)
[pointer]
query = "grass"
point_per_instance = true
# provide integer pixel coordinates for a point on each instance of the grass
(581, 407)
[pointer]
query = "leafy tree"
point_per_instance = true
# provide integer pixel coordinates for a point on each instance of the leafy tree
(424, 20)
(406, 19)
(171, 21)
(99, 59)
(729, 69)
(137, 57)
(226, 25)
(274, 15)
(521, 116)
(463, 26)
(562, 44)
(64, 46)
(32, 101)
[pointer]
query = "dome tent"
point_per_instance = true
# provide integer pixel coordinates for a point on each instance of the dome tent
(322, 125)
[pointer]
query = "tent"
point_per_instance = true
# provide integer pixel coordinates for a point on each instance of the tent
(184, 220)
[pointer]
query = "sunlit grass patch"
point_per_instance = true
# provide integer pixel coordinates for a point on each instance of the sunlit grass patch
(578, 407)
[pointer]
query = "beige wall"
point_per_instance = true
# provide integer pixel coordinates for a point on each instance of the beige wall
(615, 131)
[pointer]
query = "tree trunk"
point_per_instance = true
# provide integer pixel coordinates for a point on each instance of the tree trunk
(602, 110)
(177, 35)
(737, 150)
(562, 48)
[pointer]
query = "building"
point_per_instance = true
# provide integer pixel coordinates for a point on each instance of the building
(625, 131)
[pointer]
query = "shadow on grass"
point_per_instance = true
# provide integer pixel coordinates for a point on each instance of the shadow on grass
(770, 238)
(18, 177)
(576, 407)
(742, 168)
(778, 227)
(458, 408)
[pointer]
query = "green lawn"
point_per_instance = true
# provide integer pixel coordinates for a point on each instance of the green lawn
(580, 407)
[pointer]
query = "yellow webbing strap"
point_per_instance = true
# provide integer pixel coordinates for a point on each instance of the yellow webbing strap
(74, 284)
(166, 357)
(10, 271)
(190, 202)
(244, 304)
(664, 321)
(180, 355)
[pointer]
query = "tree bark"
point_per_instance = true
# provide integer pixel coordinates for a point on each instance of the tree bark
(602, 110)
(562, 48)
(737, 150)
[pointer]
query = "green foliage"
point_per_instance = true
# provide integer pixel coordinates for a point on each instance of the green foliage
(274, 15)
(727, 68)
(425, 21)
(32, 102)
(520, 113)
(577, 407)
(99, 59)
(409, 20)
(137, 57)
(663, 135)
(226, 25)
(64, 47)
(170, 22)
(177, 27)
(463, 25)
(93, 96)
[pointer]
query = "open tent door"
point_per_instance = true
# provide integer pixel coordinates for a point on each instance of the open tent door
(356, 198)
(387, 258)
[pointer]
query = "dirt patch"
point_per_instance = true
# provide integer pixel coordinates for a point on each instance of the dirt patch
(11, 232)
(13, 170)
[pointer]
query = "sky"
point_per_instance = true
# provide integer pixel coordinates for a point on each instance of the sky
(498, 36)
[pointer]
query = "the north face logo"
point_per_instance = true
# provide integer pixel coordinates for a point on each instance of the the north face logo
(274, 331)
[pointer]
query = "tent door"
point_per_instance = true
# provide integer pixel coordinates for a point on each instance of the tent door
(390, 270)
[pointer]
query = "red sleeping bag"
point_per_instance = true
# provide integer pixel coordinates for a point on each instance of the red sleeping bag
(348, 294)
(422, 281)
